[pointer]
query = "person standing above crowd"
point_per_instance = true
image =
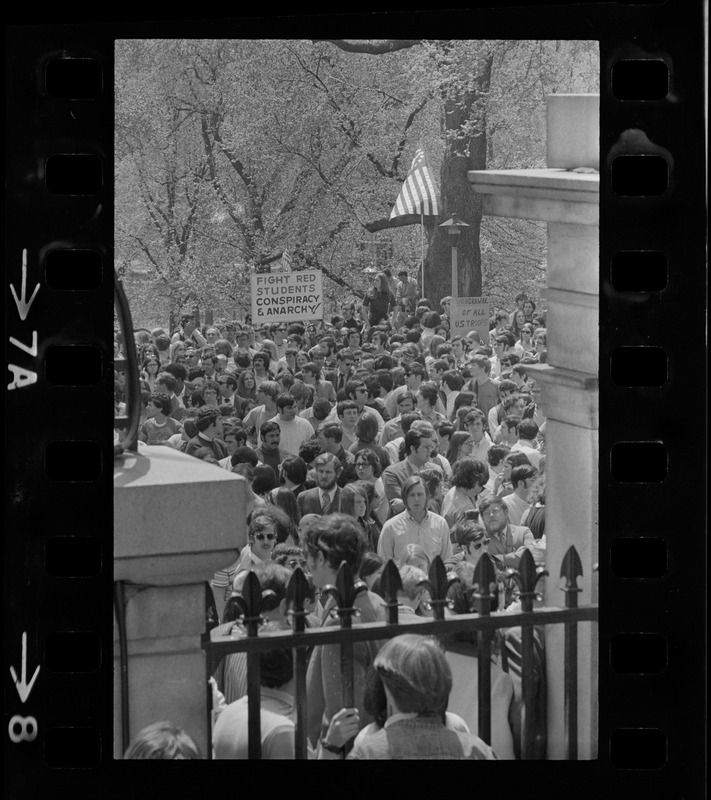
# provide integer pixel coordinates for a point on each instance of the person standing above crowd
(378, 301)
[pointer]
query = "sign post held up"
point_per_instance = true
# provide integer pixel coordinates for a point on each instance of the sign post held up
(470, 314)
(287, 297)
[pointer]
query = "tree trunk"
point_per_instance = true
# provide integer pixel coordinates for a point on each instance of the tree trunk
(461, 156)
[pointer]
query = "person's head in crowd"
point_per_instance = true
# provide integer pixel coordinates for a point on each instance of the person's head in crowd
(151, 365)
(453, 380)
(416, 675)
(459, 348)
(302, 360)
(305, 524)
(494, 514)
(301, 393)
(384, 363)
(513, 460)
(347, 412)
(415, 496)
(368, 465)
(290, 556)
(270, 434)
(410, 352)
(417, 448)
(268, 346)
(371, 568)
(480, 367)
(321, 409)
(286, 406)
(431, 320)
(158, 405)
(246, 385)
(433, 477)
(310, 374)
(415, 374)
(277, 516)
(309, 451)
(331, 541)
(260, 363)
(264, 480)
(414, 335)
(180, 373)
(496, 454)
(354, 500)
(501, 320)
(366, 429)
(461, 445)
(209, 422)
(357, 392)
(284, 500)
(444, 430)
(223, 348)
(519, 375)
(328, 468)
(528, 308)
(162, 741)
(507, 389)
(165, 382)
(475, 423)
(211, 392)
(233, 438)
(330, 436)
(522, 479)
(345, 360)
(293, 469)
(527, 429)
(427, 397)
(540, 339)
(470, 474)
(268, 392)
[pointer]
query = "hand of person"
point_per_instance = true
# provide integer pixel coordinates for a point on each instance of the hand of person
(344, 726)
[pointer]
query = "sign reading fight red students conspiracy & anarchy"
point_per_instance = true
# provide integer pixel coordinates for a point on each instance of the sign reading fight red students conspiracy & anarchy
(287, 297)
(469, 314)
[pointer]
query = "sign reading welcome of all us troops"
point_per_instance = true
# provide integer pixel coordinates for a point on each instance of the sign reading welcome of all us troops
(469, 314)
(287, 297)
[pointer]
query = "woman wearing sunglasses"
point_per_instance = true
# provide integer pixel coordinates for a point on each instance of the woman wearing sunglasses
(525, 343)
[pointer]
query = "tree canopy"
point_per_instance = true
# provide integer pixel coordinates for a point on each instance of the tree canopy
(228, 152)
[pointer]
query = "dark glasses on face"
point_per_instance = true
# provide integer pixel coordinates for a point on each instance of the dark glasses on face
(260, 537)
(483, 543)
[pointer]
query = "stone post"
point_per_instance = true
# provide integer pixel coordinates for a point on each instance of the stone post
(568, 202)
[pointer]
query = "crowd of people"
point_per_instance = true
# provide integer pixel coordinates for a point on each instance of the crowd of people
(373, 436)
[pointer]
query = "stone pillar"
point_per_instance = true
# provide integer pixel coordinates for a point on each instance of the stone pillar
(569, 202)
(176, 521)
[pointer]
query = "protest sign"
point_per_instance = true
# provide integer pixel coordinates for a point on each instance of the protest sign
(470, 314)
(287, 297)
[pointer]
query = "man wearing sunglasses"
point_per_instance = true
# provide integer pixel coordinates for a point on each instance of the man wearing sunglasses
(471, 540)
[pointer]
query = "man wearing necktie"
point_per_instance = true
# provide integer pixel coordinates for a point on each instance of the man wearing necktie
(326, 497)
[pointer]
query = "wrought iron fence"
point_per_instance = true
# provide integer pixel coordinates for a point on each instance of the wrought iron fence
(301, 640)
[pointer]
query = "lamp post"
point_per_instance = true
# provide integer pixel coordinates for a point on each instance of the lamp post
(454, 227)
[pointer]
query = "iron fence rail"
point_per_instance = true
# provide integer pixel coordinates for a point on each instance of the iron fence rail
(302, 640)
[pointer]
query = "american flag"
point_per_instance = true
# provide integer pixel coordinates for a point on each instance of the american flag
(418, 193)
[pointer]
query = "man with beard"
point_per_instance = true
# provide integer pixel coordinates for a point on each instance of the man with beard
(326, 497)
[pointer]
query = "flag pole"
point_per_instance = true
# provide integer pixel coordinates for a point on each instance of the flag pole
(422, 247)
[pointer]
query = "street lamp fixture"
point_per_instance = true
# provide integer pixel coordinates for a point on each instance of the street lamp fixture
(454, 227)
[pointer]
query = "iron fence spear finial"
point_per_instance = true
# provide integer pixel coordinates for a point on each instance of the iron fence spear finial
(344, 593)
(390, 585)
(438, 582)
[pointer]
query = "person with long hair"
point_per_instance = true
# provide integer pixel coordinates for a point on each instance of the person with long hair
(417, 681)
(378, 301)
(149, 372)
(354, 503)
(525, 341)
(461, 445)
(369, 469)
(469, 475)
(247, 387)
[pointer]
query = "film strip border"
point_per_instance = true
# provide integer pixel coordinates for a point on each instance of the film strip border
(59, 301)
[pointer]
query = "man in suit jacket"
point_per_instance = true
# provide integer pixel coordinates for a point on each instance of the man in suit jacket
(507, 542)
(326, 497)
